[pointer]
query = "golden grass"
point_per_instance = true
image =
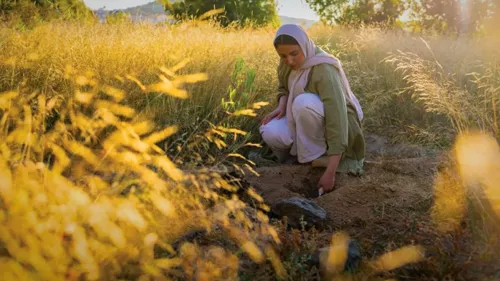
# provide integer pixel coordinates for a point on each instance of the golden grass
(86, 193)
(125, 56)
(406, 84)
(426, 88)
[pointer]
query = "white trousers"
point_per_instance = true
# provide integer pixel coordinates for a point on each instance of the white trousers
(308, 112)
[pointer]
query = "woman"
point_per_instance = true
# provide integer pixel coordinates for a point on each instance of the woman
(318, 118)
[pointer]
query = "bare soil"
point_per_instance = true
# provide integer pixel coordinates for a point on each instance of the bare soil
(386, 208)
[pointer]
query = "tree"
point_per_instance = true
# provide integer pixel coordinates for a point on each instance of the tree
(444, 16)
(32, 11)
(346, 12)
(329, 11)
(438, 15)
(493, 21)
(451, 16)
(241, 12)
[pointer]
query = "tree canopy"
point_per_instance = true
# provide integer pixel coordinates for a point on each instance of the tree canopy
(347, 12)
(440, 15)
(241, 12)
(31, 11)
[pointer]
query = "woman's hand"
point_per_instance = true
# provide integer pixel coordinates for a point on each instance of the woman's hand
(279, 112)
(327, 181)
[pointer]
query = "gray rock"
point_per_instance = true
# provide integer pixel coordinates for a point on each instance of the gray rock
(299, 211)
(353, 257)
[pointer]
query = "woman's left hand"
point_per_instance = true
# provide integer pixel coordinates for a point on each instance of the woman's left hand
(327, 181)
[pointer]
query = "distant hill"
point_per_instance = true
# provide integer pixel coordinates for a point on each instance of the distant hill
(151, 12)
(152, 8)
(289, 20)
(154, 12)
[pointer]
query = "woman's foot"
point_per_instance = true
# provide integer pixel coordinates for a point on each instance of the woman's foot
(346, 166)
(290, 160)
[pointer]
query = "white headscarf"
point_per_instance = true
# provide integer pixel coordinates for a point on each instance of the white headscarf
(297, 80)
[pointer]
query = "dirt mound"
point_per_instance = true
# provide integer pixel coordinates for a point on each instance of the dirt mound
(389, 204)
(396, 177)
(402, 185)
(386, 208)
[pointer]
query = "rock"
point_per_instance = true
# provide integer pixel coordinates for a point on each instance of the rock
(298, 210)
(353, 257)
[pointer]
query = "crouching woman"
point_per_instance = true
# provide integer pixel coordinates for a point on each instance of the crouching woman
(318, 118)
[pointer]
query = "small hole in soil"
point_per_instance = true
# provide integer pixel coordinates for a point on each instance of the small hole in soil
(305, 187)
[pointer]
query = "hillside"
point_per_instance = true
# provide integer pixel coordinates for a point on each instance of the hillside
(289, 20)
(152, 8)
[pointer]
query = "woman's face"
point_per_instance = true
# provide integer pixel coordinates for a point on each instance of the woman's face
(291, 55)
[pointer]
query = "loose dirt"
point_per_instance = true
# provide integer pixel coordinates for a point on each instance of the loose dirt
(386, 208)
(389, 184)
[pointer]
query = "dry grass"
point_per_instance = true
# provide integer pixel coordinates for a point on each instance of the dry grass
(98, 121)
(85, 192)
(410, 87)
(119, 55)
(420, 88)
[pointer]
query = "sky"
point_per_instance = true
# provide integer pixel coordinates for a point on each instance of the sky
(290, 8)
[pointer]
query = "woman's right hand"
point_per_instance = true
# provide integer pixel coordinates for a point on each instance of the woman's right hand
(278, 113)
